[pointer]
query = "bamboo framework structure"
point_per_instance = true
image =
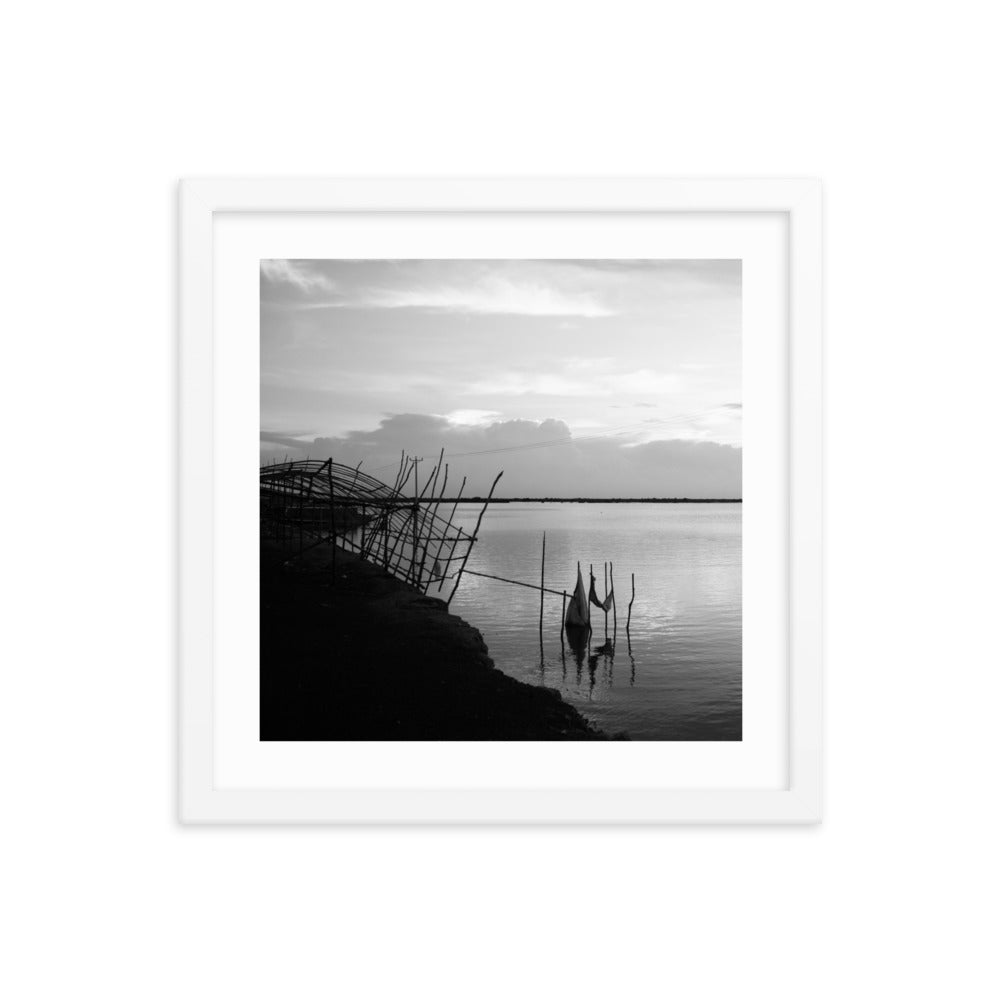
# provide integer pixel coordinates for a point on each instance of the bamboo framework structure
(317, 503)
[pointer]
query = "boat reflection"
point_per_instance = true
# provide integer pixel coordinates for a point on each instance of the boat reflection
(599, 661)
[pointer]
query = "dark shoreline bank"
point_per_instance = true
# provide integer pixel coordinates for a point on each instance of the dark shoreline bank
(370, 658)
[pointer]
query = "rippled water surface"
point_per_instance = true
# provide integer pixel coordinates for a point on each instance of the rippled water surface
(677, 674)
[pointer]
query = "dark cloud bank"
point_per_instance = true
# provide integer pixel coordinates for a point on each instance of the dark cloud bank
(596, 467)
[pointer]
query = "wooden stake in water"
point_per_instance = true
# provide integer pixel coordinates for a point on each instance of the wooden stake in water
(615, 604)
(541, 606)
(590, 587)
(628, 622)
(562, 625)
(475, 535)
(605, 602)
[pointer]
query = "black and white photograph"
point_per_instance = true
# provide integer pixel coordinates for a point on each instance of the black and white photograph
(501, 499)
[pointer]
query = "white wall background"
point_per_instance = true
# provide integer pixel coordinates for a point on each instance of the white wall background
(893, 106)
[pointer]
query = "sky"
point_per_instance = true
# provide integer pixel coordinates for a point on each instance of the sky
(576, 377)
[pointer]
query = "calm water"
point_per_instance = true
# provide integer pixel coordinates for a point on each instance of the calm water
(680, 676)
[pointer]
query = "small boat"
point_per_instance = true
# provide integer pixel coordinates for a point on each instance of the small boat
(578, 610)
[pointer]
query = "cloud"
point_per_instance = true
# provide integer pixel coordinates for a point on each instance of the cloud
(471, 418)
(297, 273)
(530, 384)
(512, 383)
(538, 458)
(293, 441)
(491, 294)
(496, 295)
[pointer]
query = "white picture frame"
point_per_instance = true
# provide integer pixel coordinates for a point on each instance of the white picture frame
(201, 800)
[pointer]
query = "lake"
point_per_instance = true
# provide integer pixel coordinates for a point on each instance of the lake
(677, 673)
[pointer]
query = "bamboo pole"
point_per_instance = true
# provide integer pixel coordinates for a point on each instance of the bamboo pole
(434, 518)
(416, 509)
(412, 506)
(333, 527)
(408, 512)
(300, 514)
(430, 514)
(374, 542)
(399, 472)
(517, 583)
(446, 530)
(391, 553)
(351, 490)
(605, 602)
(383, 522)
(357, 472)
(383, 536)
(475, 534)
(590, 587)
(614, 603)
(381, 541)
(409, 470)
(398, 544)
(420, 517)
(411, 509)
(628, 623)
(437, 471)
(541, 603)
(562, 626)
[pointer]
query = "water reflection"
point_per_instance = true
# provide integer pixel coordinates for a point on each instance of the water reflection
(605, 655)
(579, 641)
(685, 615)
(581, 645)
